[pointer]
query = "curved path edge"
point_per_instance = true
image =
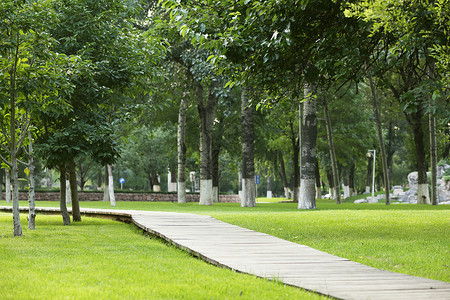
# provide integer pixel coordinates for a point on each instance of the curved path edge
(266, 256)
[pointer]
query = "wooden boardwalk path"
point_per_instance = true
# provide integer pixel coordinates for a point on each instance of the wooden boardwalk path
(263, 255)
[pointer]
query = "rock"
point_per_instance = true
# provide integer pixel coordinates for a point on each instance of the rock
(360, 201)
(446, 202)
(370, 200)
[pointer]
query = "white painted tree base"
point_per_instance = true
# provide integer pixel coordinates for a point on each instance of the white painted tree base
(206, 192)
(181, 192)
(423, 197)
(368, 189)
(346, 191)
(249, 192)
(307, 198)
(269, 194)
(172, 187)
(156, 188)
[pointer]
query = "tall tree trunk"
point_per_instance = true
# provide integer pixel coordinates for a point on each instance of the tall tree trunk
(112, 196)
(99, 180)
(181, 145)
(269, 187)
(351, 180)
(334, 166)
(283, 176)
(376, 113)
(172, 179)
(14, 147)
(346, 180)
(31, 198)
(1, 183)
(415, 121)
(8, 186)
(155, 180)
(318, 183)
(50, 179)
(62, 195)
(295, 142)
(433, 159)
(248, 144)
(240, 184)
(76, 215)
(215, 169)
(331, 189)
(68, 192)
(106, 186)
(309, 133)
(207, 114)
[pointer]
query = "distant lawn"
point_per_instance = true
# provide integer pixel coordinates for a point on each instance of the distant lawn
(407, 238)
(102, 259)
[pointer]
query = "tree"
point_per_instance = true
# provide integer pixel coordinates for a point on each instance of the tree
(248, 164)
(32, 78)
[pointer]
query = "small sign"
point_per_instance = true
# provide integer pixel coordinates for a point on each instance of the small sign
(122, 180)
(257, 179)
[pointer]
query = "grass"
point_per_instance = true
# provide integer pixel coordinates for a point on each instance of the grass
(407, 238)
(102, 259)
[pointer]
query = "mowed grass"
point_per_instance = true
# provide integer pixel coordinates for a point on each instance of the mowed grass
(102, 259)
(406, 238)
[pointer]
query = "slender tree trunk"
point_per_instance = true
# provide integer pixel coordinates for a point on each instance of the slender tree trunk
(334, 166)
(50, 179)
(318, 183)
(346, 183)
(31, 198)
(283, 176)
(155, 180)
(13, 146)
(240, 184)
(76, 215)
(8, 186)
(1, 183)
(173, 179)
(68, 192)
(207, 114)
(112, 196)
(380, 138)
(422, 192)
(181, 141)
(99, 180)
(62, 195)
(331, 189)
(433, 159)
(295, 142)
(309, 133)
(215, 170)
(106, 186)
(248, 163)
(351, 181)
(269, 187)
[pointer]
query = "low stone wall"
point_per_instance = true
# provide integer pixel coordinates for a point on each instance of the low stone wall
(84, 196)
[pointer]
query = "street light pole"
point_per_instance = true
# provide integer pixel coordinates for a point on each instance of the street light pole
(369, 153)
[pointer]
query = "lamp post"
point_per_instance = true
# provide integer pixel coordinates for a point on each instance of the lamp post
(369, 154)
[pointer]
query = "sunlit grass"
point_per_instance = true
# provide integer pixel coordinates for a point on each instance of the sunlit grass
(407, 238)
(102, 259)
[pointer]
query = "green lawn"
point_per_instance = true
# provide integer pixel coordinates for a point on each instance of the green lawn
(406, 238)
(102, 259)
